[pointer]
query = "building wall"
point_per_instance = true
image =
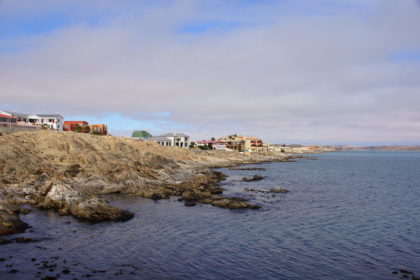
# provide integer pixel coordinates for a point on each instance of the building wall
(98, 128)
(72, 125)
(244, 144)
(179, 141)
(171, 141)
(16, 128)
(51, 122)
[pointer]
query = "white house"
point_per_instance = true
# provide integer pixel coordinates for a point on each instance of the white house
(213, 145)
(52, 121)
(171, 140)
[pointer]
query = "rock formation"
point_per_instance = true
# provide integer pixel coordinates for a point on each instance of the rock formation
(66, 171)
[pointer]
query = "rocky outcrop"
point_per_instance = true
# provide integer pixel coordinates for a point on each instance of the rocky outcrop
(253, 178)
(405, 274)
(272, 190)
(18, 240)
(69, 201)
(67, 171)
(9, 216)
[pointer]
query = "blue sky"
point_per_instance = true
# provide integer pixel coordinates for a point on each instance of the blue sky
(294, 71)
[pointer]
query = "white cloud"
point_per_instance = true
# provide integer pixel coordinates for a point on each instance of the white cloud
(296, 77)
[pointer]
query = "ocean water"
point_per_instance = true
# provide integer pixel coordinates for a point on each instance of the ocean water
(349, 215)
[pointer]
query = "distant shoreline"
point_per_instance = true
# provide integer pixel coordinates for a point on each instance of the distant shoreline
(385, 148)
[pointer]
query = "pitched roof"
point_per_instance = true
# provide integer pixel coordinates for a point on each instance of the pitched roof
(49, 115)
(7, 116)
(16, 114)
(174, 135)
(141, 134)
(158, 138)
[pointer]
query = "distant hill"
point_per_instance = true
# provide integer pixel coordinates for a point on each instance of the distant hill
(379, 148)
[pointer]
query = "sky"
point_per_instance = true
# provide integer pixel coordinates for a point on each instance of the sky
(287, 71)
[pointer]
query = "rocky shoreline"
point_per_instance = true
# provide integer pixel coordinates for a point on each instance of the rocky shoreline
(67, 171)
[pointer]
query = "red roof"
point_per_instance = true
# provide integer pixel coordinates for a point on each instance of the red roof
(7, 116)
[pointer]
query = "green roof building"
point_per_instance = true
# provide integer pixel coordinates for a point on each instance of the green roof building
(141, 134)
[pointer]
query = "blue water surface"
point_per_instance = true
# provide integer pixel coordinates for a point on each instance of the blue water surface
(348, 215)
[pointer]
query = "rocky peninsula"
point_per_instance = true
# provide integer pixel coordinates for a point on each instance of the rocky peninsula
(68, 172)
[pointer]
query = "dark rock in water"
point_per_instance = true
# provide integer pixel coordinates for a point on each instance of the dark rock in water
(4, 241)
(156, 196)
(218, 176)
(190, 203)
(233, 203)
(215, 190)
(9, 217)
(247, 168)
(17, 240)
(278, 190)
(406, 274)
(13, 271)
(403, 271)
(304, 157)
(49, 278)
(65, 271)
(253, 178)
(24, 240)
(194, 195)
(25, 211)
(255, 191)
(2, 259)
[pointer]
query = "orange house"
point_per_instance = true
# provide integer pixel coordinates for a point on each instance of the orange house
(98, 129)
(79, 126)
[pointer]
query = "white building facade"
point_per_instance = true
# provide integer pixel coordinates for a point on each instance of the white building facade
(51, 121)
(172, 140)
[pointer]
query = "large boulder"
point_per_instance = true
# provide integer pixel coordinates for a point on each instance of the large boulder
(253, 178)
(68, 201)
(9, 217)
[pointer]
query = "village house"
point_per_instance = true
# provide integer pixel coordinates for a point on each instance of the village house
(141, 135)
(98, 129)
(171, 140)
(7, 120)
(51, 121)
(211, 145)
(78, 126)
(244, 143)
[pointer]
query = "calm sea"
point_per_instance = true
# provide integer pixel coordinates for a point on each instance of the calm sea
(350, 215)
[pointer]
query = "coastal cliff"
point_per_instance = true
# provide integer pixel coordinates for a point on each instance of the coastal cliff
(67, 171)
